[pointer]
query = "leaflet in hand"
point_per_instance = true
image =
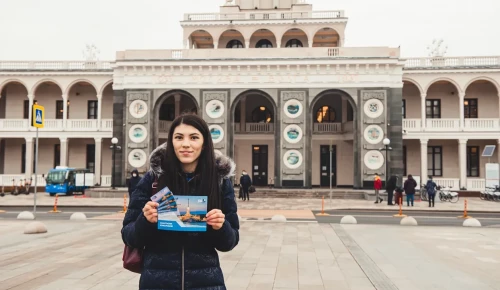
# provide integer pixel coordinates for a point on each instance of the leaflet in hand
(184, 213)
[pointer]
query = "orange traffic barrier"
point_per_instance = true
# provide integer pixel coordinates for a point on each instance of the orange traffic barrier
(465, 216)
(400, 214)
(54, 210)
(322, 207)
(124, 204)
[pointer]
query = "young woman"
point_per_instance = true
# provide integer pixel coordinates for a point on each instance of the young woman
(187, 164)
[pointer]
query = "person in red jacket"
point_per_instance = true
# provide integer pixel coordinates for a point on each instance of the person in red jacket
(377, 184)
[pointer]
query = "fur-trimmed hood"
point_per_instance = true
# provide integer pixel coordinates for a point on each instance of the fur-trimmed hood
(225, 166)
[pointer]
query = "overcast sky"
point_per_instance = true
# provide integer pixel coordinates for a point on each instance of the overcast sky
(60, 29)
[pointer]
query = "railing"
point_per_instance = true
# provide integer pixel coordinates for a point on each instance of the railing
(476, 184)
(447, 182)
(77, 125)
(482, 125)
(105, 180)
(465, 61)
(259, 128)
(327, 128)
(259, 53)
(442, 124)
(328, 14)
(453, 125)
(55, 65)
(6, 180)
(412, 125)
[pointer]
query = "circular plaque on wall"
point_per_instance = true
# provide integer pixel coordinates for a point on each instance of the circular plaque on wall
(137, 158)
(138, 109)
(217, 133)
(137, 133)
(293, 108)
(292, 133)
(373, 134)
(373, 108)
(292, 159)
(214, 109)
(374, 159)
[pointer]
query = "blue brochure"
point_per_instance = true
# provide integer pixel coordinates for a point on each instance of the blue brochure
(182, 213)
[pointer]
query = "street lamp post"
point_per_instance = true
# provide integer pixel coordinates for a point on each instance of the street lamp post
(114, 147)
(386, 148)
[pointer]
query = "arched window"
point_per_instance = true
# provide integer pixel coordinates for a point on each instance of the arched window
(325, 114)
(294, 43)
(235, 43)
(264, 43)
(262, 115)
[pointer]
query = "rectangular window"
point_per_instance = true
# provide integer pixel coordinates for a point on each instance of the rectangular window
(26, 109)
(435, 160)
(350, 113)
(470, 108)
(404, 110)
(404, 161)
(90, 162)
(92, 110)
(57, 155)
(167, 112)
(473, 161)
(60, 110)
(432, 109)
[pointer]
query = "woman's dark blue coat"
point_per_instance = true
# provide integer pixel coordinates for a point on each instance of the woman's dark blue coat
(175, 260)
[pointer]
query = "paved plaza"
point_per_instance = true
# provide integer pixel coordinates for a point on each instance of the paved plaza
(87, 255)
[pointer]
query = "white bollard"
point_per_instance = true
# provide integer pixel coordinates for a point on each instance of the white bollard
(408, 221)
(78, 216)
(25, 215)
(35, 228)
(471, 222)
(279, 218)
(348, 219)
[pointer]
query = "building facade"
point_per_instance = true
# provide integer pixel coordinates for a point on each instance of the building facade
(281, 93)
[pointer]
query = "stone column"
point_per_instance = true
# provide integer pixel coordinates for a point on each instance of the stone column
(98, 160)
(344, 110)
(422, 112)
(99, 112)
(311, 42)
(177, 105)
(247, 43)
(461, 109)
(65, 111)
(30, 147)
(423, 160)
(64, 151)
(243, 110)
(462, 161)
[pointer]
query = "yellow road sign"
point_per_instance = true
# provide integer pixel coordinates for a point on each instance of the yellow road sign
(38, 118)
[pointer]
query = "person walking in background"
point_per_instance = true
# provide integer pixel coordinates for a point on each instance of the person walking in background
(133, 181)
(431, 190)
(390, 187)
(245, 183)
(409, 187)
(377, 185)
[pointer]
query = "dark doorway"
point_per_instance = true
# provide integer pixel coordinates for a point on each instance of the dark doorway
(325, 165)
(259, 165)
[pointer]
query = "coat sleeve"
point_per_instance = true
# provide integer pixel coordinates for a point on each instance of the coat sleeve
(227, 237)
(137, 230)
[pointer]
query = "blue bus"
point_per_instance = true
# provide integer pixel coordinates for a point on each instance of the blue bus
(64, 180)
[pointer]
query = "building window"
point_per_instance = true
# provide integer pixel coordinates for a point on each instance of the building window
(404, 110)
(470, 108)
(264, 43)
(473, 161)
(262, 115)
(325, 114)
(167, 112)
(433, 109)
(92, 110)
(27, 108)
(404, 161)
(60, 110)
(234, 44)
(57, 155)
(350, 113)
(435, 160)
(294, 43)
(90, 162)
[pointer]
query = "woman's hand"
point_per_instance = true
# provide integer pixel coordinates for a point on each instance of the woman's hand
(215, 218)
(150, 211)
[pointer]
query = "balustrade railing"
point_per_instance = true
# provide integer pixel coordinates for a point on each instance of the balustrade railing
(465, 61)
(56, 65)
(77, 125)
(328, 14)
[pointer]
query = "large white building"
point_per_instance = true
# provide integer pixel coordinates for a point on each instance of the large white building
(277, 86)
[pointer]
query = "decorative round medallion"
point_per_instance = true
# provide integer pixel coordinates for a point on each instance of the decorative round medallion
(138, 109)
(137, 158)
(293, 108)
(373, 108)
(217, 133)
(292, 159)
(292, 133)
(374, 134)
(214, 109)
(137, 133)
(374, 159)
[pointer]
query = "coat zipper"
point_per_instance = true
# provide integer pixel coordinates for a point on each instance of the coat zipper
(182, 287)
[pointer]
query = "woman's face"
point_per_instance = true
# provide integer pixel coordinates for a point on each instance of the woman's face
(188, 143)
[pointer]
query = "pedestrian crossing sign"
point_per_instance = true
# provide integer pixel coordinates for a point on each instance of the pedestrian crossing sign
(38, 118)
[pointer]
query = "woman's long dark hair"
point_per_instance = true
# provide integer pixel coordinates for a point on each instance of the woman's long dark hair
(206, 170)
